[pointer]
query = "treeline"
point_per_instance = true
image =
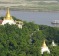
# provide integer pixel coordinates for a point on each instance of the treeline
(28, 40)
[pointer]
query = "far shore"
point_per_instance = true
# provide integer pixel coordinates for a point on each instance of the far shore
(29, 10)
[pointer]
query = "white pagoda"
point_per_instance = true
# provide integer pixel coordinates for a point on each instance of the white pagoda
(53, 43)
(45, 48)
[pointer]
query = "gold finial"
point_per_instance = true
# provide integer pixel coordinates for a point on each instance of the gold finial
(44, 44)
(8, 13)
(8, 16)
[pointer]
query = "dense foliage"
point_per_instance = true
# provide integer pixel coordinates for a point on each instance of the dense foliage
(28, 40)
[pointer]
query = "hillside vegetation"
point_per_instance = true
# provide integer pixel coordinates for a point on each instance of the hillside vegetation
(28, 40)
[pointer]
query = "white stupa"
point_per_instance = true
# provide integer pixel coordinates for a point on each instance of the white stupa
(53, 43)
(8, 19)
(44, 48)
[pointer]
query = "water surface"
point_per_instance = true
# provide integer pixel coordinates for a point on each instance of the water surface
(44, 18)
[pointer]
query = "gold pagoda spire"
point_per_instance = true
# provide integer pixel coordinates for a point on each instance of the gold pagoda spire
(8, 13)
(44, 44)
(8, 16)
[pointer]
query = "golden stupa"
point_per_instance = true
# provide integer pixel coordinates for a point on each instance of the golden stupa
(8, 16)
(44, 44)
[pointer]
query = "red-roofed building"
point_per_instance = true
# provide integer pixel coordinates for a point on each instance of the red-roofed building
(1, 21)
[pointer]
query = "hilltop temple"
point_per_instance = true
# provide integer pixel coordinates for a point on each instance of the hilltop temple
(45, 48)
(8, 19)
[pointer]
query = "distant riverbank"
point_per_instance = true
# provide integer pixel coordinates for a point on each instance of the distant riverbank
(42, 6)
(30, 10)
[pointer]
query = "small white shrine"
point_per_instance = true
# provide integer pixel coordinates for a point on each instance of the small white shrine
(53, 43)
(45, 48)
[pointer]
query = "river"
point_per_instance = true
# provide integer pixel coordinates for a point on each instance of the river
(43, 18)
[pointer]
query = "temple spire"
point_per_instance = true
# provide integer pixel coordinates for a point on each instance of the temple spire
(8, 16)
(44, 44)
